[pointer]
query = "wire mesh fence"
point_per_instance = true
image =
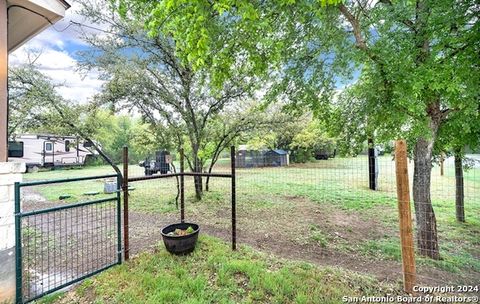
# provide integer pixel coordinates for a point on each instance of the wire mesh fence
(60, 243)
(324, 211)
(163, 181)
(321, 211)
(446, 218)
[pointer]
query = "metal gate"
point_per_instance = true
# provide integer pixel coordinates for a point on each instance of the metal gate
(62, 245)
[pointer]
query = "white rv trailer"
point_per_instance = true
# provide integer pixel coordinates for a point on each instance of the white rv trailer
(43, 150)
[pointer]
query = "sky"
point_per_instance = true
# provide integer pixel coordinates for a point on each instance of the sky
(58, 59)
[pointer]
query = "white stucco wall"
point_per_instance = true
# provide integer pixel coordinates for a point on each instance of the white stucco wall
(9, 174)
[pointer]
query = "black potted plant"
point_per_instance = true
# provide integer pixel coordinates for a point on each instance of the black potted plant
(180, 238)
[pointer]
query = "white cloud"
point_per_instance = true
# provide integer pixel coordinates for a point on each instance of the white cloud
(64, 32)
(61, 68)
(57, 60)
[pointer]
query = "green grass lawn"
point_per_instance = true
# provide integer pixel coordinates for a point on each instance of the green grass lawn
(215, 274)
(278, 195)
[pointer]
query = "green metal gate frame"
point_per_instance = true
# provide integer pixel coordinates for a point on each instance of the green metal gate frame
(18, 229)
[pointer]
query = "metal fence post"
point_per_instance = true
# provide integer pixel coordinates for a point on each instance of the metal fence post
(459, 189)
(182, 186)
(372, 166)
(234, 201)
(18, 246)
(125, 203)
(405, 216)
(119, 219)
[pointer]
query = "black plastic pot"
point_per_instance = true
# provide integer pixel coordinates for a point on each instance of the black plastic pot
(180, 244)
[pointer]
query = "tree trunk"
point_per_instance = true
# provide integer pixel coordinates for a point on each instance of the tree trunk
(198, 181)
(207, 182)
(442, 160)
(210, 169)
(425, 217)
(459, 190)
(178, 185)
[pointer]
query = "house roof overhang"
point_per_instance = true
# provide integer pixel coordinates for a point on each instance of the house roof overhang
(27, 18)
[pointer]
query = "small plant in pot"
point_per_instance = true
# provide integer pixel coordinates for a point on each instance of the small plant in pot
(180, 238)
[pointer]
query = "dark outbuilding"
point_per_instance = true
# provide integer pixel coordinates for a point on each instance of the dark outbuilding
(262, 158)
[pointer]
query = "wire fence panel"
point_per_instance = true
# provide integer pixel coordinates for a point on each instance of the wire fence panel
(323, 211)
(165, 193)
(59, 245)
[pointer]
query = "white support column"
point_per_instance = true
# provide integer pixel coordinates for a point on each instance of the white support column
(3, 80)
(9, 174)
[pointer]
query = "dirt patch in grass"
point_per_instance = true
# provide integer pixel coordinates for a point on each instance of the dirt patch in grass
(242, 280)
(288, 233)
(339, 224)
(145, 230)
(62, 245)
(214, 274)
(295, 228)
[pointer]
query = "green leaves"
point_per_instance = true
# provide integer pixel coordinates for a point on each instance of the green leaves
(411, 56)
(221, 35)
(314, 138)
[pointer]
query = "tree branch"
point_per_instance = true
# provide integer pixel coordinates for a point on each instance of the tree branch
(357, 33)
(407, 22)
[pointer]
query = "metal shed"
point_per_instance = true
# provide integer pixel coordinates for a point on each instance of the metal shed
(276, 158)
(261, 158)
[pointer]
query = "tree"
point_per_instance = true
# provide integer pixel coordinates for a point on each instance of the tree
(415, 74)
(145, 74)
(116, 131)
(420, 55)
(37, 106)
(311, 140)
(231, 126)
(303, 136)
(216, 34)
(29, 93)
(417, 58)
(454, 137)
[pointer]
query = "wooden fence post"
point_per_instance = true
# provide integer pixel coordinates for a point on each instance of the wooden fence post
(405, 216)
(125, 203)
